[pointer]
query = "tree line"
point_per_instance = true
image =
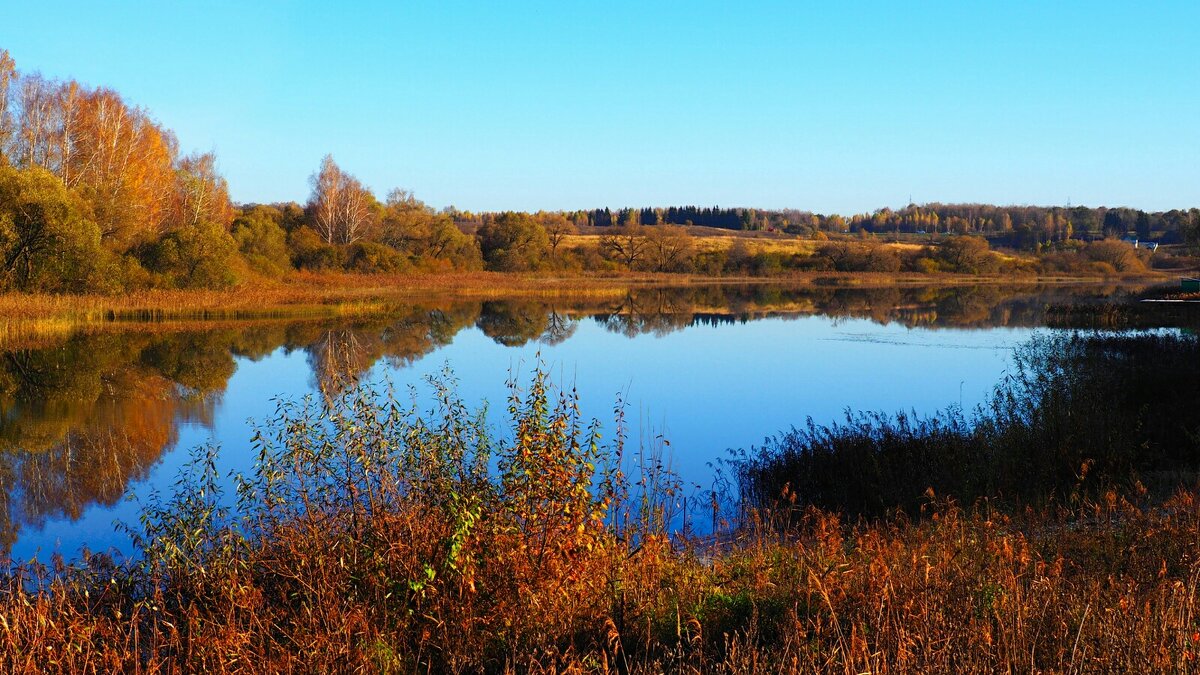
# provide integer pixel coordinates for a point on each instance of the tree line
(1024, 227)
(96, 196)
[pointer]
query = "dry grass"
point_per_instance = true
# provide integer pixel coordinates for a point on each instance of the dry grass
(304, 295)
(307, 295)
(371, 539)
(1110, 588)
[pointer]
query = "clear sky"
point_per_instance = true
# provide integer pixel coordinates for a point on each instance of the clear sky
(834, 106)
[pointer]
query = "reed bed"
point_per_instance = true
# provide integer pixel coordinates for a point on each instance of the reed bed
(308, 294)
(371, 537)
(1076, 414)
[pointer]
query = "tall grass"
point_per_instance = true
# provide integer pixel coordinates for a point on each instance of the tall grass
(1075, 415)
(371, 538)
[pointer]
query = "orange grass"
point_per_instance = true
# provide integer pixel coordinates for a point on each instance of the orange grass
(306, 294)
(1110, 589)
(372, 539)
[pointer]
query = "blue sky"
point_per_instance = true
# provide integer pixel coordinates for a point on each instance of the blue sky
(835, 107)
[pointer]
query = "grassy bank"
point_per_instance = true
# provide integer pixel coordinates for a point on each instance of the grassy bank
(1109, 588)
(370, 537)
(638, 300)
(324, 295)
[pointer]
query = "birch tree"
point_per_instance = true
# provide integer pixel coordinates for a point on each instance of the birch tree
(201, 193)
(8, 78)
(341, 209)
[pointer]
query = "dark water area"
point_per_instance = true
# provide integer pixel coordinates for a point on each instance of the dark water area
(92, 418)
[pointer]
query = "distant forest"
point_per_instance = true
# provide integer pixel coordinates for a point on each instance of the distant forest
(1022, 227)
(96, 197)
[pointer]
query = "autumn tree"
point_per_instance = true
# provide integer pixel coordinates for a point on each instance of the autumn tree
(669, 248)
(967, 255)
(8, 76)
(405, 222)
(196, 248)
(122, 163)
(34, 111)
(858, 257)
(626, 244)
(201, 193)
(558, 228)
(428, 238)
(262, 240)
(513, 242)
(341, 209)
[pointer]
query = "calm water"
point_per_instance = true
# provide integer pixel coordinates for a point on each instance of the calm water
(89, 419)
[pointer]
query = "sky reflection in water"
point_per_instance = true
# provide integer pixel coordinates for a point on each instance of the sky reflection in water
(88, 419)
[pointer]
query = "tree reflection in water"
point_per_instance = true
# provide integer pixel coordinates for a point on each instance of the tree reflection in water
(83, 417)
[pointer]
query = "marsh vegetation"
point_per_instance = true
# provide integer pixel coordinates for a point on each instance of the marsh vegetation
(371, 536)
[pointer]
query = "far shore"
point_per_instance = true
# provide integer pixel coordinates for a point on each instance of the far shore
(323, 295)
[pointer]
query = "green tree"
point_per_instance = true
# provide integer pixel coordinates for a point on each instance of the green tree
(429, 239)
(1191, 235)
(194, 256)
(447, 245)
(370, 257)
(47, 242)
(1142, 225)
(262, 240)
(513, 242)
(310, 251)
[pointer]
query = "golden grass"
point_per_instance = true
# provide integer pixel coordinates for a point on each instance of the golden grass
(369, 539)
(302, 295)
(325, 295)
(1112, 587)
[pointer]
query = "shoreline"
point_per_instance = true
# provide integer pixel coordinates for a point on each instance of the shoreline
(313, 296)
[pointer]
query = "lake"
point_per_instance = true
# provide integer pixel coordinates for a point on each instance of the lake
(92, 417)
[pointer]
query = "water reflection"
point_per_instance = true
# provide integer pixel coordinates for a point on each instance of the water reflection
(84, 416)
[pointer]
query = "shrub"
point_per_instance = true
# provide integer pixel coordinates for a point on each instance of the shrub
(926, 265)
(370, 257)
(310, 252)
(709, 263)
(262, 240)
(1121, 256)
(193, 256)
(967, 255)
(47, 241)
(1078, 414)
(859, 257)
(457, 549)
(513, 242)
